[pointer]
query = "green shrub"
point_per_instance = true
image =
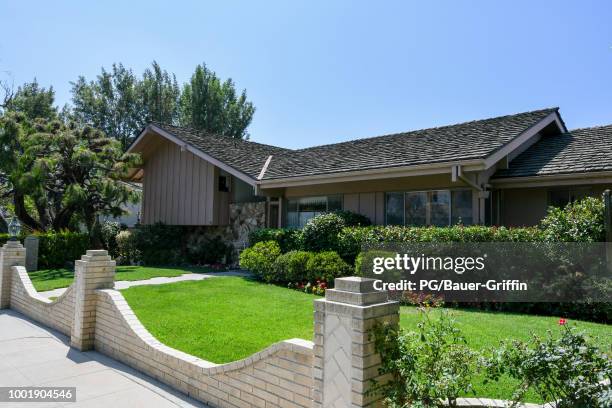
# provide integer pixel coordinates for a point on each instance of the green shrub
(292, 267)
(321, 232)
(206, 250)
(352, 239)
(260, 258)
(127, 254)
(580, 221)
(326, 266)
(365, 259)
(352, 219)
(568, 369)
(159, 244)
(289, 239)
(108, 233)
(57, 249)
(428, 368)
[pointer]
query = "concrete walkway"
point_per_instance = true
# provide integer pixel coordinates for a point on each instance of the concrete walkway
(32, 355)
(156, 281)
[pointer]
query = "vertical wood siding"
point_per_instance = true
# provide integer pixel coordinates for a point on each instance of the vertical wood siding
(181, 189)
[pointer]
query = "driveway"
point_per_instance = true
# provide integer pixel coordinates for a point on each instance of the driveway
(32, 355)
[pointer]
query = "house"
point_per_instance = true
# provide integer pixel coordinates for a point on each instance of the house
(504, 171)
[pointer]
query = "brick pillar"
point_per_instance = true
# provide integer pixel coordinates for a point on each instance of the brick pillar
(345, 360)
(95, 270)
(11, 254)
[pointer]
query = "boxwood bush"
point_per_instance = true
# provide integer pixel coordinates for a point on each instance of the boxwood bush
(327, 266)
(260, 258)
(291, 267)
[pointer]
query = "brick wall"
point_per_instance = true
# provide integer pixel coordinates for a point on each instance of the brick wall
(280, 375)
(57, 314)
(296, 373)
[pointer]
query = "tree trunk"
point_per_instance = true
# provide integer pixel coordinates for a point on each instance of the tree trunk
(62, 219)
(22, 213)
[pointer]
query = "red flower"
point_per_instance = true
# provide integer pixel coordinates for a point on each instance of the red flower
(562, 322)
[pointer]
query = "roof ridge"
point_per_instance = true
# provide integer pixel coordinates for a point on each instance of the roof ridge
(552, 109)
(590, 128)
(210, 134)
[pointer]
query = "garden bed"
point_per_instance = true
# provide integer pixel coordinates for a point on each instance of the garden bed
(49, 279)
(229, 318)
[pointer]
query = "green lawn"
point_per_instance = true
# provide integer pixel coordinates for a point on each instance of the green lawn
(229, 318)
(222, 319)
(49, 279)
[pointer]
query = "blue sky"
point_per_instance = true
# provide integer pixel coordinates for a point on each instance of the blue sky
(327, 71)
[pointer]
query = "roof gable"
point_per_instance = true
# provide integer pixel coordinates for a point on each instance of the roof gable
(577, 151)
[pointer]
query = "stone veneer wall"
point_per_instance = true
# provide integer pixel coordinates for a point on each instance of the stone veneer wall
(243, 218)
(57, 314)
(280, 375)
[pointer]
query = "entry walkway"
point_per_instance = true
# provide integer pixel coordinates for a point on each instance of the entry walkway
(32, 355)
(156, 281)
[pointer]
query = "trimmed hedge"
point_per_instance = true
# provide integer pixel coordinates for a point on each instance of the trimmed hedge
(352, 239)
(581, 221)
(57, 249)
(349, 240)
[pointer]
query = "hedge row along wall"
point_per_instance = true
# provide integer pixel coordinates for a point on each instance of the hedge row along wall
(56, 249)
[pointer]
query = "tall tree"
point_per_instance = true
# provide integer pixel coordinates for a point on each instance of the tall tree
(120, 103)
(160, 95)
(56, 173)
(214, 106)
(31, 99)
(111, 103)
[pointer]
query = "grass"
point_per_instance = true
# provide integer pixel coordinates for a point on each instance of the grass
(222, 319)
(49, 279)
(228, 318)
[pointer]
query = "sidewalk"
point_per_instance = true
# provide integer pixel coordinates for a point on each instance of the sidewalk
(156, 281)
(31, 355)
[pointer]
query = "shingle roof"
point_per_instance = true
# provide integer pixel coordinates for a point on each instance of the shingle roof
(470, 140)
(465, 141)
(578, 151)
(245, 156)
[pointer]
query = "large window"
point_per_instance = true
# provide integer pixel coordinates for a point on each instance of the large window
(439, 208)
(561, 198)
(416, 208)
(300, 210)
